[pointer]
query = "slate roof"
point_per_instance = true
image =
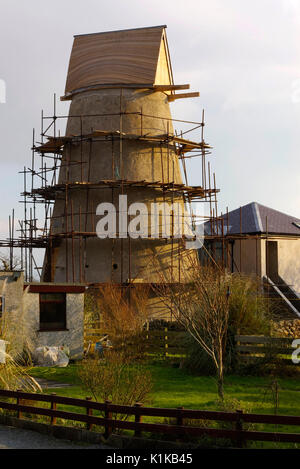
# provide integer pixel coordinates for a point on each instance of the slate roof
(257, 218)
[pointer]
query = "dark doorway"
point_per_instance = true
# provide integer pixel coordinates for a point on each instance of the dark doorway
(272, 260)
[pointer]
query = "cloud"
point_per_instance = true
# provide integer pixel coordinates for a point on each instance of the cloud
(243, 57)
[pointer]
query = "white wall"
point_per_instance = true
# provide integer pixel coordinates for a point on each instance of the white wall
(72, 337)
(289, 262)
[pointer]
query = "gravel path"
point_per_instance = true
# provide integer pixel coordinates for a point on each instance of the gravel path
(17, 438)
(47, 384)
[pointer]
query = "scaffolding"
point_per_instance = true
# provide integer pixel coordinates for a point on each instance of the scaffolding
(41, 185)
(41, 188)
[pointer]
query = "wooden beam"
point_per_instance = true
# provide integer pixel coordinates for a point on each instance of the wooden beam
(171, 87)
(69, 96)
(54, 288)
(183, 95)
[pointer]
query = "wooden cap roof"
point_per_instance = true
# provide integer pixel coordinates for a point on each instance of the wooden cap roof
(133, 56)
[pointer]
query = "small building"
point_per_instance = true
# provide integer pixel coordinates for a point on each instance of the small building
(258, 240)
(49, 314)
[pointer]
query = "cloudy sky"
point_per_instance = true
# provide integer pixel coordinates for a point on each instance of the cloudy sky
(243, 57)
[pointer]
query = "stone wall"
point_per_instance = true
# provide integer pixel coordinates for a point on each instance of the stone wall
(286, 328)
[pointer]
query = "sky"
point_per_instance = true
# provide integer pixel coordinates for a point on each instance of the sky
(243, 57)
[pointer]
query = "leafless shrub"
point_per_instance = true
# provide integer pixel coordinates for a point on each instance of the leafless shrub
(116, 379)
(123, 316)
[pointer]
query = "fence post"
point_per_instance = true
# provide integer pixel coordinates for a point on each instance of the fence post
(108, 415)
(89, 412)
(19, 402)
(138, 419)
(166, 342)
(239, 429)
(147, 336)
(179, 421)
(53, 407)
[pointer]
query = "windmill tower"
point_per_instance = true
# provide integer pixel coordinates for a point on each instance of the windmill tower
(119, 141)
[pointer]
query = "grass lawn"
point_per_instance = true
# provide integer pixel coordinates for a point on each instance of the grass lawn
(174, 387)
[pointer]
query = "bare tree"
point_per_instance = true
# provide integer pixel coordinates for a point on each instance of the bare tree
(201, 306)
(8, 264)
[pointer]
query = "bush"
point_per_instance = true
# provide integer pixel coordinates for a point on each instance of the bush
(187, 438)
(232, 405)
(162, 324)
(17, 333)
(198, 361)
(248, 310)
(268, 365)
(115, 378)
(14, 376)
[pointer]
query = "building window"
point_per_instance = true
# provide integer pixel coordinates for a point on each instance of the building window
(53, 315)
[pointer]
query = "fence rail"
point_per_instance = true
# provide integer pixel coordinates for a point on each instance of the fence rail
(111, 418)
(171, 342)
(162, 342)
(250, 346)
(168, 343)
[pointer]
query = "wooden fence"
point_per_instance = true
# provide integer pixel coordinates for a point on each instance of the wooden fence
(170, 343)
(165, 342)
(111, 418)
(251, 347)
(158, 342)
(92, 333)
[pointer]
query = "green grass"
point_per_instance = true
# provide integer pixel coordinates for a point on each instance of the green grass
(174, 387)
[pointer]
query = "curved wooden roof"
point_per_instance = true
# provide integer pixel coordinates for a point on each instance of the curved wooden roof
(133, 56)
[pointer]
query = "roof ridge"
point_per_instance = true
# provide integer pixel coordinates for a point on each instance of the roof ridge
(277, 211)
(257, 217)
(121, 30)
